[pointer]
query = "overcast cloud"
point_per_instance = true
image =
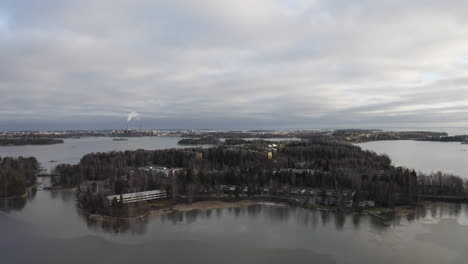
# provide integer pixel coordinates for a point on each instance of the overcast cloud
(233, 64)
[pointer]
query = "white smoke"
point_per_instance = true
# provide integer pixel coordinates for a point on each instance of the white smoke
(133, 115)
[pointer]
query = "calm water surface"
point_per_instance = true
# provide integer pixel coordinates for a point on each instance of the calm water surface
(72, 150)
(448, 157)
(48, 228)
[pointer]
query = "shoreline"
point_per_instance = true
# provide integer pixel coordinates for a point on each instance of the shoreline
(106, 218)
(167, 207)
(24, 195)
(378, 212)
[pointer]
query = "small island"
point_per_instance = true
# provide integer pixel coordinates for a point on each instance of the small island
(199, 141)
(29, 141)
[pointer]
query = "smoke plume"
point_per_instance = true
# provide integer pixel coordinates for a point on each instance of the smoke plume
(133, 115)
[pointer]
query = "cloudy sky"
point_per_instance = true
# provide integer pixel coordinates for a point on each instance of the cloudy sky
(233, 64)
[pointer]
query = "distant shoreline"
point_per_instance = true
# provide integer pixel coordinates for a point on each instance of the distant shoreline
(29, 141)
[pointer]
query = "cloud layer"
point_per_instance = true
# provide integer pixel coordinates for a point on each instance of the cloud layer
(232, 64)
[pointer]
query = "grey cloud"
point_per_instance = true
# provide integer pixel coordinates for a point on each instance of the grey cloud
(220, 64)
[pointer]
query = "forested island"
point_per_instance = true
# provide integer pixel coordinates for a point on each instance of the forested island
(29, 141)
(241, 134)
(16, 175)
(199, 141)
(330, 173)
(365, 135)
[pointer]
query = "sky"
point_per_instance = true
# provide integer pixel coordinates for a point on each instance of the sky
(225, 64)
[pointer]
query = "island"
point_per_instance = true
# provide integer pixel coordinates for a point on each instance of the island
(29, 141)
(312, 174)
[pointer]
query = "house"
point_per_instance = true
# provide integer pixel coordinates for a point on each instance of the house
(348, 193)
(366, 204)
(228, 188)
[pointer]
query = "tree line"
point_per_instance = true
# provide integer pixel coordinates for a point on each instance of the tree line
(16, 175)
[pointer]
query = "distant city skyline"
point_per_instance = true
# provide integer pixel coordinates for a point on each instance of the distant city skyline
(218, 64)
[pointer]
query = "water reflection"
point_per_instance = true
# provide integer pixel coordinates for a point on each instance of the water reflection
(355, 220)
(433, 213)
(59, 207)
(17, 203)
(340, 220)
(118, 226)
(350, 238)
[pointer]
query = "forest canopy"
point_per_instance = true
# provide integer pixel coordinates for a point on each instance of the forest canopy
(16, 175)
